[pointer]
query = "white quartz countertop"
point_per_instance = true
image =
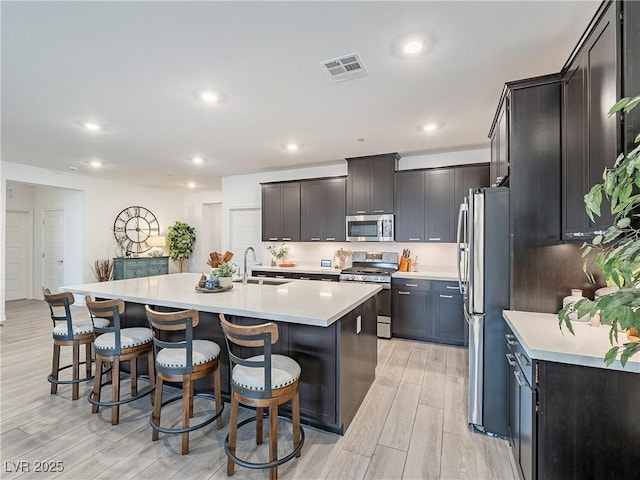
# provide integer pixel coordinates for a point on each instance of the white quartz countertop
(298, 301)
(299, 269)
(430, 273)
(542, 339)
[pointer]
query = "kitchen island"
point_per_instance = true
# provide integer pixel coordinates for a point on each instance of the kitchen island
(328, 328)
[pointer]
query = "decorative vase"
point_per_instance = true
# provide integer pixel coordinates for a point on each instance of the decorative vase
(225, 282)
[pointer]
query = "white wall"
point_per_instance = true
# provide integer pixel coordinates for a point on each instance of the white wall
(89, 222)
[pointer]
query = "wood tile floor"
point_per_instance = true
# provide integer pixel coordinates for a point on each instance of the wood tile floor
(412, 424)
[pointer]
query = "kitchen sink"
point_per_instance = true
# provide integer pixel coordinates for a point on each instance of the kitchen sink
(263, 281)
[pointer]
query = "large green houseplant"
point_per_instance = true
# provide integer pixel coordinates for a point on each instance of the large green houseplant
(617, 250)
(180, 239)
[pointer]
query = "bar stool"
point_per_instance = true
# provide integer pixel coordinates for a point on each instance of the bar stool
(114, 345)
(261, 381)
(183, 359)
(69, 332)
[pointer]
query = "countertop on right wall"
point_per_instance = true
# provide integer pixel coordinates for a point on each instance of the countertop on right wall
(542, 339)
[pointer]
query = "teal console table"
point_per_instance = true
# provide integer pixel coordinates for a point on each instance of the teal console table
(124, 268)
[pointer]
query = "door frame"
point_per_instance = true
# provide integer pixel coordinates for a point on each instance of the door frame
(43, 244)
(29, 257)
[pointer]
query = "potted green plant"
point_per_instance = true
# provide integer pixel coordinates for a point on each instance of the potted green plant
(278, 252)
(180, 240)
(225, 272)
(617, 250)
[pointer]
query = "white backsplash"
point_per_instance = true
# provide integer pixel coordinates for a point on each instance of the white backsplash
(441, 255)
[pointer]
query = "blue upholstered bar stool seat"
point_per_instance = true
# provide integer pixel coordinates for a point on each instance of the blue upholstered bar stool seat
(114, 345)
(181, 358)
(68, 331)
(261, 381)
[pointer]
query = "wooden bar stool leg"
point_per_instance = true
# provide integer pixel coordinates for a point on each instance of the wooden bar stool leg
(273, 438)
(152, 373)
(134, 377)
(191, 401)
(97, 385)
(233, 433)
(55, 366)
(259, 417)
(115, 390)
(76, 370)
(186, 407)
(157, 403)
(295, 414)
(88, 359)
(218, 393)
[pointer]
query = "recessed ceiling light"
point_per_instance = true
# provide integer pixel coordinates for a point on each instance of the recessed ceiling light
(71, 168)
(198, 160)
(430, 127)
(292, 147)
(412, 47)
(95, 163)
(191, 185)
(209, 96)
(92, 126)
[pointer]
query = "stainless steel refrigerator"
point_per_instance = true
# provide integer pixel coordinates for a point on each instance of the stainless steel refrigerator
(483, 273)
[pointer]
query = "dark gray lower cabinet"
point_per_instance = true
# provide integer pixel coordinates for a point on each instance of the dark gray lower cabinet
(449, 325)
(571, 421)
(428, 310)
(325, 277)
(409, 305)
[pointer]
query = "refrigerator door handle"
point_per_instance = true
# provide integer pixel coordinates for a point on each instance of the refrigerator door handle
(462, 216)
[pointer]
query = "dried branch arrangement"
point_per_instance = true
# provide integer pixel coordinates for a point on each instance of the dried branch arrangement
(102, 269)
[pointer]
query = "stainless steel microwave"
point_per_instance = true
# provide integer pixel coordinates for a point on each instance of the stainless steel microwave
(370, 228)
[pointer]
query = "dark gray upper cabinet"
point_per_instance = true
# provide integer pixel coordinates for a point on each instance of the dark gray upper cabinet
(323, 210)
(531, 108)
(591, 139)
(440, 211)
(370, 184)
(499, 145)
(468, 177)
(281, 212)
(427, 201)
(410, 203)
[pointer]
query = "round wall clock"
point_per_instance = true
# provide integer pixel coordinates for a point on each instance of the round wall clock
(133, 227)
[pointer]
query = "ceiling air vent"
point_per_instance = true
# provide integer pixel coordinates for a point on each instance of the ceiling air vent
(344, 68)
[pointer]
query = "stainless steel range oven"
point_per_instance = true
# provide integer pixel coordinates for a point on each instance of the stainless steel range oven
(375, 267)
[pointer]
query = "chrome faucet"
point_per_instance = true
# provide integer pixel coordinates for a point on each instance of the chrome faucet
(244, 271)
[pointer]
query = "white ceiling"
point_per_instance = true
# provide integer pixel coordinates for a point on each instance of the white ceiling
(136, 67)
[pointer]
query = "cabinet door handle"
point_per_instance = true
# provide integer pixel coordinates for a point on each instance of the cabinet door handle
(411, 284)
(326, 280)
(511, 359)
(361, 211)
(286, 238)
(304, 278)
(378, 211)
(330, 238)
(414, 239)
(511, 339)
(404, 293)
(273, 238)
(521, 381)
(452, 288)
(263, 276)
(279, 276)
(522, 360)
(446, 296)
(434, 238)
(315, 239)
